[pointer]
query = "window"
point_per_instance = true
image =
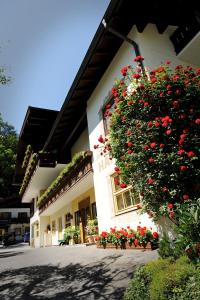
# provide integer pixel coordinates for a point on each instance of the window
(124, 199)
(5, 215)
(77, 218)
(53, 227)
(22, 215)
(94, 210)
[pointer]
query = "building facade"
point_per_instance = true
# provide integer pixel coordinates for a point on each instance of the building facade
(66, 189)
(14, 218)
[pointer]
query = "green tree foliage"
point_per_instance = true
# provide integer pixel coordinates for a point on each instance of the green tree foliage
(8, 147)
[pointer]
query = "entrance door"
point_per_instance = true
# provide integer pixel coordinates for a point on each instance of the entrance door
(60, 237)
(84, 209)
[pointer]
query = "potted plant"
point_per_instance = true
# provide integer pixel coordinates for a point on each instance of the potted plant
(72, 233)
(91, 230)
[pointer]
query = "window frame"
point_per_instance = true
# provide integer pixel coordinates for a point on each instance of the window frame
(121, 192)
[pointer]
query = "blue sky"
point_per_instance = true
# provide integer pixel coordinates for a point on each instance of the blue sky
(43, 43)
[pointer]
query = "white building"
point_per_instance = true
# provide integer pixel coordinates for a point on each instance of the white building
(160, 34)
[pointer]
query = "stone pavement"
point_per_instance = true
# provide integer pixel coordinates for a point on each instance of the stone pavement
(67, 272)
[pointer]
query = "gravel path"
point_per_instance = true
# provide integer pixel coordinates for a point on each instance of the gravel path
(67, 272)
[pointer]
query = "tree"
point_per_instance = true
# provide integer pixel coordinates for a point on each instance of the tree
(3, 78)
(8, 148)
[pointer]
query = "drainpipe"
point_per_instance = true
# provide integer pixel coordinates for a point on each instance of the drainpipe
(125, 38)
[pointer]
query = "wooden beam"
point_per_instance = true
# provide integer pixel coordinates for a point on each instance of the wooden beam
(141, 27)
(161, 27)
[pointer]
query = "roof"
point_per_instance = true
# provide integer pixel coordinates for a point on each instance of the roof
(13, 202)
(35, 130)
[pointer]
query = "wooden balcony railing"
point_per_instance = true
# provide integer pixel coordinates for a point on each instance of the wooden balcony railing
(81, 168)
(185, 33)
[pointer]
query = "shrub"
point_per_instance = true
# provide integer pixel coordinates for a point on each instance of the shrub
(138, 288)
(154, 135)
(165, 279)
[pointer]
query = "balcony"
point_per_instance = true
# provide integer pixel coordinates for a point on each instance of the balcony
(41, 170)
(75, 179)
(186, 39)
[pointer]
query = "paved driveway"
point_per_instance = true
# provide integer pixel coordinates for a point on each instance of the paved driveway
(67, 272)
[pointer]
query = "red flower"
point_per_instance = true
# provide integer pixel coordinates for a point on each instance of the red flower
(104, 234)
(101, 139)
(130, 151)
(175, 104)
(130, 144)
(183, 168)
(123, 185)
(130, 103)
(181, 152)
(155, 235)
(191, 154)
(183, 136)
(169, 131)
(153, 80)
(197, 72)
(151, 160)
(108, 106)
(170, 205)
(157, 124)
(146, 104)
(150, 181)
(153, 145)
(136, 242)
(197, 121)
(172, 214)
(138, 58)
(117, 169)
(146, 147)
(136, 76)
(185, 197)
(178, 67)
(181, 142)
(96, 146)
(124, 71)
(168, 62)
(162, 146)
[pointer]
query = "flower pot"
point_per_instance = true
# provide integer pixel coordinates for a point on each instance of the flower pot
(90, 239)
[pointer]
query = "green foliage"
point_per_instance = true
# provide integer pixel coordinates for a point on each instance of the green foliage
(138, 288)
(71, 232)
(3, 78)
(8, 149)
(68, 168)
(27, 156)
(29, 171)
(188, 229)
(165, 279)
(154, 135)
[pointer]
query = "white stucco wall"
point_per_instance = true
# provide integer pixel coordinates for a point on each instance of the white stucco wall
(155, 48)
(82, 143)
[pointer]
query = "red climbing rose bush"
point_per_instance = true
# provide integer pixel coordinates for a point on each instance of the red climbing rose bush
(154, 135)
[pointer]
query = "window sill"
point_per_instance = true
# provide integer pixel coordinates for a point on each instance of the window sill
(133, 208)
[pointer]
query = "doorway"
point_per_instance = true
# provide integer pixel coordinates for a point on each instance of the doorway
(84, 211)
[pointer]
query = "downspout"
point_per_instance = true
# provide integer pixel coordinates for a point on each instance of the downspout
(125, 38)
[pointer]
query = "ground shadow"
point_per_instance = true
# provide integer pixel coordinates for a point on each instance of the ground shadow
(75, 281)
(7, 254)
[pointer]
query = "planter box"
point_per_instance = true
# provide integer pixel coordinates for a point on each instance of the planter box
(148, 247)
